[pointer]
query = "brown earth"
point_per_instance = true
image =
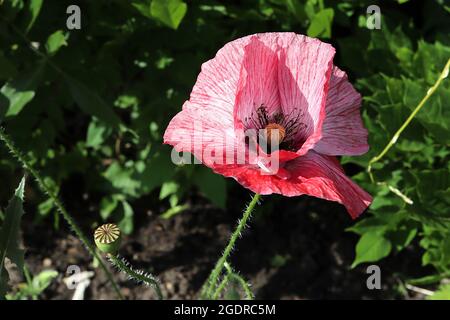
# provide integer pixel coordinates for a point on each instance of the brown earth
(294, 248)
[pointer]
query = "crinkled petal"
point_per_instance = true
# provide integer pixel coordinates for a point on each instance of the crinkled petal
(218, 82)
(343, 132)
(203, 133)
(311, 174)
(303, 75)
(213, 97)
(210, 106)
(258, 85)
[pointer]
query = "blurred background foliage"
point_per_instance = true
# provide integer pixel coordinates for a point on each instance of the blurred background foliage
(89, 106)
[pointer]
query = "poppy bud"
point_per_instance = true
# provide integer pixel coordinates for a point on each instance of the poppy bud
(107, 238)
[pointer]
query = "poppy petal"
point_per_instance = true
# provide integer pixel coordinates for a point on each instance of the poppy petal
(312, 174)
(258, 85)
(343, 132)
(203, 132)
(303, 74)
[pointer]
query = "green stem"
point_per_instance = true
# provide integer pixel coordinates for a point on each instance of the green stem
(245, 286)
(61, 209)
(248, 292)
(137, 275)
(26, 273)
(231, 274)
(221, 287)
(209, 286)
(394, 139)
(427, 280)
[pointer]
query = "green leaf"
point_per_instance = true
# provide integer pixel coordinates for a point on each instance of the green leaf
(402, 236)
(122, 179)
(434, 116)
(174, 211)
(15, 94)
(126, 222)
(97, 133)
(154, 172)
(107, 206)
(34, 287)
(169, 12)
(55, 41)
(433, 190)
(168, 188)
(279, 260)
(9, 236)
(369, 225)
(321, 24)
(7, 68)
(91, 103)
(32, 12)
(212, 185)
(371, 247)
(143, 6)
(45, 207)
(297, 9)
(42, 281)
(430, 279)
(443, 293)
(429, 60)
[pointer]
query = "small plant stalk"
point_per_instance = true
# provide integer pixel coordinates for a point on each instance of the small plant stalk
(221, 286)
(430, 92)
(210, 285)
(138, 275)
(58, 204)
(245, 286)
(232, 275)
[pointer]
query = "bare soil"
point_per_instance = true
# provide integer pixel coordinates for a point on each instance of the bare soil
(294, 248)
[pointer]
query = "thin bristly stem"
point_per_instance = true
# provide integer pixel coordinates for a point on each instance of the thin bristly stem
(58, 204)
(248, 292)
(221, 286)
(209, 286)
(394, 139)
(228, 267)
(245, 286)
(231, 274)
(135, 274)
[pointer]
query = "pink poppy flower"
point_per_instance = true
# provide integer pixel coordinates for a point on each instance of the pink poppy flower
(280, 81)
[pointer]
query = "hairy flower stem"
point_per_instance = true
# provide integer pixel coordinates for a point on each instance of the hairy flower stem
(442, 76)
(208, 288)
(245, 286)
(232, 275)
(58, 204)
(221, 286)
(135, 274)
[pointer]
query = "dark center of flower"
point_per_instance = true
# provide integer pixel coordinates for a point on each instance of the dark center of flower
(291, 127)
(275, 130)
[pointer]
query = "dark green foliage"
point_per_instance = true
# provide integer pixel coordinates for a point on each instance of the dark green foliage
(9, 237)
(91, 105)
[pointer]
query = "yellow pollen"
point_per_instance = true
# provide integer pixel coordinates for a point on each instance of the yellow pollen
(270, 129)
